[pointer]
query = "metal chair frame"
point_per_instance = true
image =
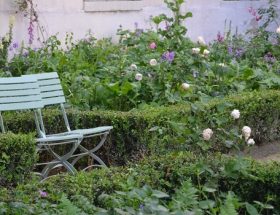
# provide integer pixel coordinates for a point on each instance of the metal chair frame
(52, 94)
(23, 93)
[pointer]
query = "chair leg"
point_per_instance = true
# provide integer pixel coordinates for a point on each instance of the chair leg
(90, 153)
(60, 160)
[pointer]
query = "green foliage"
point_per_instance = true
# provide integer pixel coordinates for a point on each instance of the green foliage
(176, 183)
(174, 128)
(17, 158)
(99, 73)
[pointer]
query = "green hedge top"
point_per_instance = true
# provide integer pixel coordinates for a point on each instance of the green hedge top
(166, 128)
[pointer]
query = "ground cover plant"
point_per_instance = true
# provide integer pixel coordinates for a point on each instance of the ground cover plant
(175, 183)
(174, 103)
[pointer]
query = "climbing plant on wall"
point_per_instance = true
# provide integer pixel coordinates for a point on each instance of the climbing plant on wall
(28, 8)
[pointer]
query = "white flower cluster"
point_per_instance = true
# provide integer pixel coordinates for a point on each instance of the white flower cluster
(153, 62)
(195, 50)
(207, 134)
(235, 114)
(246, 130)
(201, 40)
(185, 86)
(133, 67)
(278, 30)
(138, 76)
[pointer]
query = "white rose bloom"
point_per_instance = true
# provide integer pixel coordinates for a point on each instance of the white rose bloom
(222, 65)
(185, 86)
(246, 131)
(195, 50)
(138, 76)
(133, 67)
(153, 62)
(278, 30)
(207, 134)
(201, 40)
(1, 46)
(206, 52)
(235, 114)
(251, 142)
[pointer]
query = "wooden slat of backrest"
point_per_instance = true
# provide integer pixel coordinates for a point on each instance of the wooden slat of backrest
(19, 93)
(21, 106)
(20, 86)
(54, 100)
(17, 80)
(51, 89)
(18, 99)
(51, 94)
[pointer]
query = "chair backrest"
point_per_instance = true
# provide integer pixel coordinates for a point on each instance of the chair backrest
(50, 87)
(51, 91)
(19, 93)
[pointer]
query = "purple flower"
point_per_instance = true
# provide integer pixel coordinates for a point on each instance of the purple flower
(230, 50)
(167, 26)
(239, 52)
(136, 25)
(30, 32)
(25, 54)
(168, 56)
(138, 32)
(220, 38)
(15, 45)
(43, 194)
(269, 58)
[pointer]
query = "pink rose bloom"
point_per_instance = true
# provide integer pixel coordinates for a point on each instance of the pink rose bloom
(153, 45)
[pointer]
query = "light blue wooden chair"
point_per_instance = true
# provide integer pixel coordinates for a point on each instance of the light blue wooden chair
(23, 93)
(52, 94)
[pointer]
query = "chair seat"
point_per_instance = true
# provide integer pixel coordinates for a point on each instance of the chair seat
(56, 138)
(89, 131)
(84, 132)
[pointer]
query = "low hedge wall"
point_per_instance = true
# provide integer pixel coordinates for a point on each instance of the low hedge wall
(249, 180)
(18, 156)
(166, 128)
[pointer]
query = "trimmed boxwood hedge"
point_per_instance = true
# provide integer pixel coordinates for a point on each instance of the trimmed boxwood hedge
(250, 180)
(17, 158)
(133, 134)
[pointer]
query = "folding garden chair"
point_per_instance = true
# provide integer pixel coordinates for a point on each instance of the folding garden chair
(23, 93)
(52, 94)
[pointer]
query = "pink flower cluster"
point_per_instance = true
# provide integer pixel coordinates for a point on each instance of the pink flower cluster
(254, 13)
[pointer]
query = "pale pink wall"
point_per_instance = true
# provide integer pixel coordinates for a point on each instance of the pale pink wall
(61, 16)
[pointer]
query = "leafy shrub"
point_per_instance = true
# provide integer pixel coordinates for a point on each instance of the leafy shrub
(17, 158)
(176, 182)
(172, 128)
